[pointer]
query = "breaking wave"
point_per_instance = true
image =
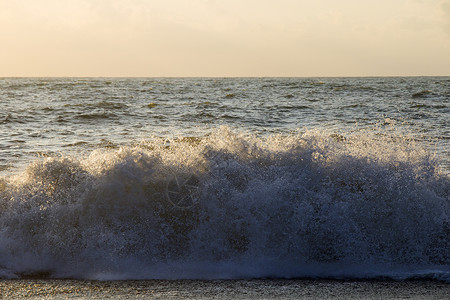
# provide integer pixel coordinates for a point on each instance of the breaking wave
(231, 205)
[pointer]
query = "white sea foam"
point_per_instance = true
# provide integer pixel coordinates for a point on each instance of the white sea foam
(232, 205)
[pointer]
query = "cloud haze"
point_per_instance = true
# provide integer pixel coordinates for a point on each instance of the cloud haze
(224, 38)
(445, 5)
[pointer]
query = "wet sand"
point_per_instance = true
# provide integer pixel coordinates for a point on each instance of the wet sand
(223, 289)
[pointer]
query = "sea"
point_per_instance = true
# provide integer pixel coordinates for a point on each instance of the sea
(225, 188)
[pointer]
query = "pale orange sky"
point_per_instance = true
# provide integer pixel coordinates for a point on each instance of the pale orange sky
(224, 37)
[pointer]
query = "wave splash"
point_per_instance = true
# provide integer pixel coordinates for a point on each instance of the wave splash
(231, 205)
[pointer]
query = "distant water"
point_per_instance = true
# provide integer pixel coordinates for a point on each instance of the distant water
(147, 178)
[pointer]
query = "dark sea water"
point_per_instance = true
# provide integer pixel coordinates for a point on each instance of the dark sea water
(225, 178)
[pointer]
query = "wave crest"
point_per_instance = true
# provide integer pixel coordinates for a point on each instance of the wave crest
(231, 205)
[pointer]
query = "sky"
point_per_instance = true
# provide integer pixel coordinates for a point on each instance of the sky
(223, 38)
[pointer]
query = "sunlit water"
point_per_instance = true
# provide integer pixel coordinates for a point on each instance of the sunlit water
(225, 178)
(52, 116)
